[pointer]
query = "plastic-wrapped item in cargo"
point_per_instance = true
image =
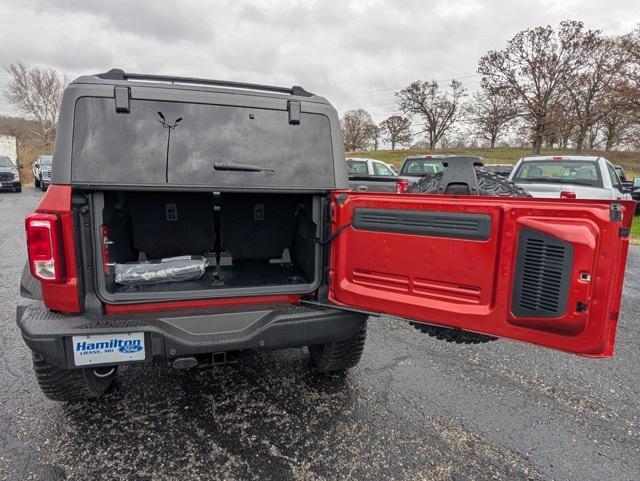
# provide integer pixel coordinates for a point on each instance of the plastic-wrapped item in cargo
(171, 269)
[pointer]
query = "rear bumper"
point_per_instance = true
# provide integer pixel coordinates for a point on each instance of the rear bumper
(178, 334)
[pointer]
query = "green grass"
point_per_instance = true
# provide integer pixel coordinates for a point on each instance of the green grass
(635, 230)
(629, 160)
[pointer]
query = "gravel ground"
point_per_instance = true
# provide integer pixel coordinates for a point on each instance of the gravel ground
(415, 408)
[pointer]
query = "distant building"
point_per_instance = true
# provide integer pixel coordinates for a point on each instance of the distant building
(8, 147)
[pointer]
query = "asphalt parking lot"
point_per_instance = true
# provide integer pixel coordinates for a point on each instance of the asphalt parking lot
(415, 408)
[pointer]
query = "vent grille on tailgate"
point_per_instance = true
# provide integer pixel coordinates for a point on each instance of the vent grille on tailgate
(543, 273)
(428, 223)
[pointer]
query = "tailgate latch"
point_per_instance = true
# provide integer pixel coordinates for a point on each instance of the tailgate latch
(615, 213)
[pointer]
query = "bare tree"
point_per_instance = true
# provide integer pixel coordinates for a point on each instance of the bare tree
(439, 110)
(376, 136)
(593, 135)
(357, 130)
(396, 130)
(536, 67)
(36, 92)
(491, 112)
(593, 82)
(560, 123)
(615, 124)
(629, 89)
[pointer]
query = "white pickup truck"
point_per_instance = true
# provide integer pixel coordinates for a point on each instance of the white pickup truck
(372, 175)
(569, 177)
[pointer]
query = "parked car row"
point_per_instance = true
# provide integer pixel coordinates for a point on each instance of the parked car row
(569, 177)
(10, 176)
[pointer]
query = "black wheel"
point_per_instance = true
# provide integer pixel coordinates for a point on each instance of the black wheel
(339, 355)
(19, 189)
(488, 184)
(37, 183)
(71, 384)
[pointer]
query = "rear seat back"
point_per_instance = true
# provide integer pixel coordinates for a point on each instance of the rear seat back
(257, 226)
(171, 224)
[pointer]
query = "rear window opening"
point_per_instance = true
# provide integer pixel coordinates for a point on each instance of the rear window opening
(186, 245)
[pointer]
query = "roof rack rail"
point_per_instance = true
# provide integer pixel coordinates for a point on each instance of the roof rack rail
(119, 74)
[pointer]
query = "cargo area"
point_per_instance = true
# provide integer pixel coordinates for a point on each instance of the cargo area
(177, 245)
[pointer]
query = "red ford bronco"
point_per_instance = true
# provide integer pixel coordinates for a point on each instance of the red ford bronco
(190, 219)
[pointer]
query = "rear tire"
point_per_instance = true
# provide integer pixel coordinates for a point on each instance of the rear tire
(339, 355)
(488, 184)
(71, 385)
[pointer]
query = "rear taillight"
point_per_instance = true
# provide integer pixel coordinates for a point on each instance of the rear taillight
(567, 194)
(402, 185)
(44, 246)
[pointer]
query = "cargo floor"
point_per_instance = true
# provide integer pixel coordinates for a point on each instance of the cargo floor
(241, 274)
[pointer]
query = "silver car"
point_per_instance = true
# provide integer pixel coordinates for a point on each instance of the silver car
(570, 177)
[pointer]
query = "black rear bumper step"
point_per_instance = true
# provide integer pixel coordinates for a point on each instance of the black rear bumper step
(177, 334)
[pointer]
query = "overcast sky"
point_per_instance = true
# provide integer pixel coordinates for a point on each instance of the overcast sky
(356, 53)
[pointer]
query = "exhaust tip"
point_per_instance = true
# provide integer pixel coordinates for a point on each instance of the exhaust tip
(104, 371)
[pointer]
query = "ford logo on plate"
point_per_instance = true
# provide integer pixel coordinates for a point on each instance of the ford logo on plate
(130, 348)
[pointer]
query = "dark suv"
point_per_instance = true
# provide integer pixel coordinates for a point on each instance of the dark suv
(9, 175)
(188, 220)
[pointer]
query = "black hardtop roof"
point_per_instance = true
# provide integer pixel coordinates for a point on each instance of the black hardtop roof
(120, 77)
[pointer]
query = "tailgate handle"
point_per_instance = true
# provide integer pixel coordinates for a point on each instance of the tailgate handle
(362, 188)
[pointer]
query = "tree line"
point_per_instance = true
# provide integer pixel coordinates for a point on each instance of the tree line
(565, 86)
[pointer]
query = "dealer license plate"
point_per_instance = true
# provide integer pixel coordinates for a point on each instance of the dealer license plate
(108, 348)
